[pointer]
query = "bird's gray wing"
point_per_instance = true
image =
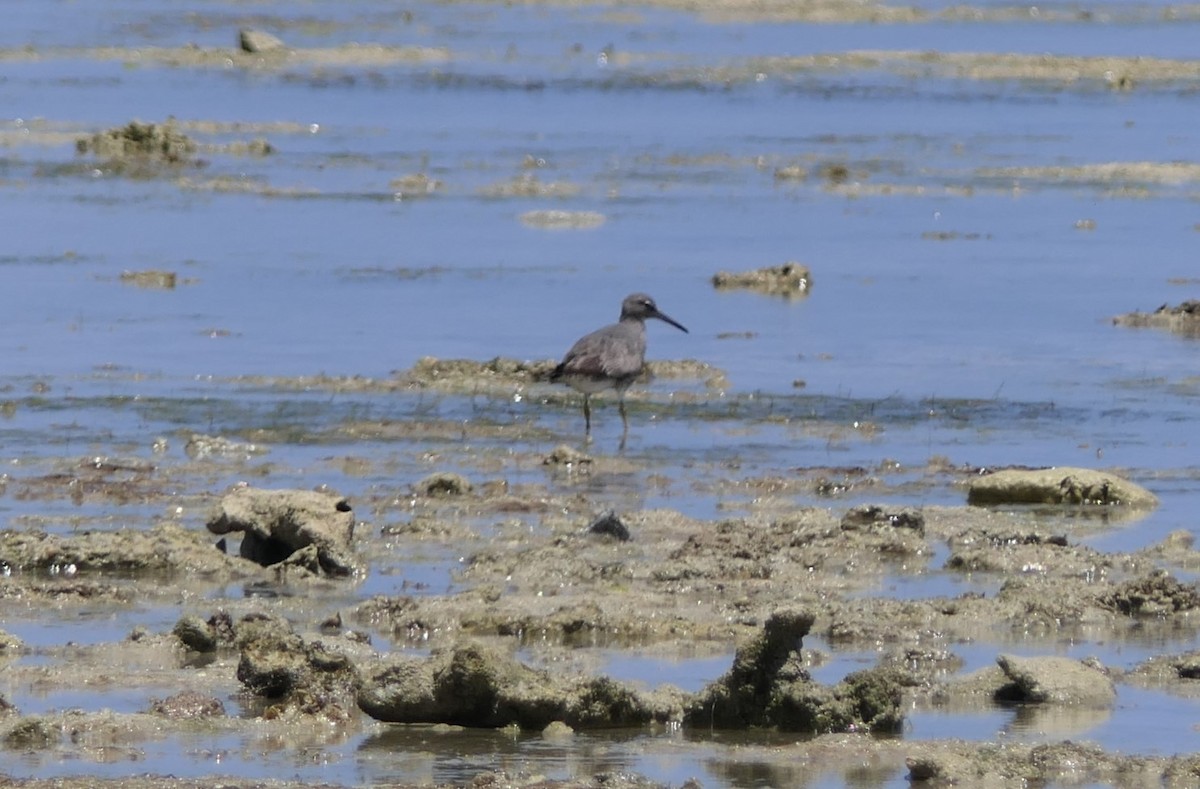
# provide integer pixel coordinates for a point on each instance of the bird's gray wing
(603, 354)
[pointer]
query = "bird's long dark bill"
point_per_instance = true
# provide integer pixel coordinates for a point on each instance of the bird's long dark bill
(668, 319)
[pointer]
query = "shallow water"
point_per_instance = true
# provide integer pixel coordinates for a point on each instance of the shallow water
(956, 306)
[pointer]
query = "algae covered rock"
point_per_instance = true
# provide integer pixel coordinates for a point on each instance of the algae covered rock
(470, 685)
(141, 146)
(298, 676)
(768, 686)
(195, 634)
(1183, 318)
(275, 524)
(1055, 680)
(789, 279)
(187, 704)
(1156, 595)
(443, 484)
(1061, 485)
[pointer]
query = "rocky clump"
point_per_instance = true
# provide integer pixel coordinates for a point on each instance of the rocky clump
(196, 634)
(141, 146)
(1062, 485)
(295, 675)
(166, 548)
(10, 645)
(555, 219)
(470, 375)
(746, 548)
(1182, 319)
(768, 686)
(502, 376)
(469, 685)
(442, 484)
(1153, 596)
(567, 456)
(31, 733)
(789, 279)
(1008, 764)
(200, 446)
(1014, 553)
(151, 279)
(609, 525)
(1174, 673)
(187, 704)
(300, 528)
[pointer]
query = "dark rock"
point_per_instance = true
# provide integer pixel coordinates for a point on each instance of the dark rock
(195, 634)
(443, 483)
(609, 525)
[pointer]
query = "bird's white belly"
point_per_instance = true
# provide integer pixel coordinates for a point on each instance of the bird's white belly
(589, 384)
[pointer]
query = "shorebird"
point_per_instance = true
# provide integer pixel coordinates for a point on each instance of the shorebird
(612, 357)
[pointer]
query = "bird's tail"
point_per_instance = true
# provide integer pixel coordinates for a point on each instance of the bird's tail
(557, 372)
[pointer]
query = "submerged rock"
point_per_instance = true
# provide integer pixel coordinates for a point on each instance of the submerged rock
(201, 446)
(1182, 319)
(789, 279)
(871, 516)
(563, 220)
(563, 455)
(276, 524)
(151, 279)
(31, 734)
(1062, 485)
(9, 644)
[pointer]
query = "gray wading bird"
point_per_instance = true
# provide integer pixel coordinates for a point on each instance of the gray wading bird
(612, 357)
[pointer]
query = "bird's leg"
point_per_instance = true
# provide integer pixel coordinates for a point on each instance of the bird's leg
(587, 415)
(624, 419)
